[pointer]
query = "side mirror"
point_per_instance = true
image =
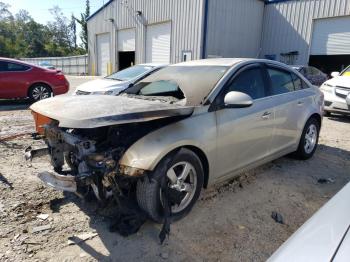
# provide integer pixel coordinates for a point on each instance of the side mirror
(335, 74)
(236, 99)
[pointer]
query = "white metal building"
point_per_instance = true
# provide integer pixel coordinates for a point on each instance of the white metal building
(315, 32)
(125, 32)
(129, 32)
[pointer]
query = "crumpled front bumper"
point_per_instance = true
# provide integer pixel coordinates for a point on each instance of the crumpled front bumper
(59, 182)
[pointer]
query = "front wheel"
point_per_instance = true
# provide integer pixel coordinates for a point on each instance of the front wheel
(309, 139)
(184, 179)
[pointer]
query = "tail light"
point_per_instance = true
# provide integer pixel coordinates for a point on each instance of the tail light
(60, 76)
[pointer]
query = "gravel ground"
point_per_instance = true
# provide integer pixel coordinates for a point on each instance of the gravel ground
(231, 222)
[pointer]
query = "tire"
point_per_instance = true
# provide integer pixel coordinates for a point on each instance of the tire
(309, 140)
(39, 91)
(148, 191)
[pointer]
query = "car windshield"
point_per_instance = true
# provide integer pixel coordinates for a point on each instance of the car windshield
(129, 73)
(346, 72)
(193, 83)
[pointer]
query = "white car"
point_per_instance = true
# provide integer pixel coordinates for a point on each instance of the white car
(337, 93)
(324, 237)
(119, 81)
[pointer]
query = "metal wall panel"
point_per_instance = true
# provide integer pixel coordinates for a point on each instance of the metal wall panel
(331, 36)
(288, 26)
(234, 28)
(186, 17)
(158, 39)
(126, 40)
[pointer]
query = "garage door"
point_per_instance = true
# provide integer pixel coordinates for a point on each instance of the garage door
(103, 54)
(331, 36)
(158, 43)
(126, 40)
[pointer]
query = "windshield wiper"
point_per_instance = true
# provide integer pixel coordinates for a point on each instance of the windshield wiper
(115, 78)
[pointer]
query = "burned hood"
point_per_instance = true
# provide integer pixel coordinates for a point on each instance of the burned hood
(97, 111)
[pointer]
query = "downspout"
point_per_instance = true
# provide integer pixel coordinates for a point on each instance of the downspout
(262, 35)
(205, 28)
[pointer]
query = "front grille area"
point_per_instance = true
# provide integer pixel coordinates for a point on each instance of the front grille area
(82, 93)
(342, 92)
(327, 103)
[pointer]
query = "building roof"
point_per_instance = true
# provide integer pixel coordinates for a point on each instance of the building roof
(110, 1)
(99, 10)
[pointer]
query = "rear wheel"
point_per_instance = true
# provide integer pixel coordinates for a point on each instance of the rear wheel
(309, 139)
(184, 179)
(39, 91)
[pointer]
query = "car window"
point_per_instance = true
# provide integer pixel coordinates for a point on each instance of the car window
(281, 81)
(129, 73)
(346, 72)
(159, 87)
(314, 71)
(298, 82)
(12, 67)
(195, 82)
(249, 82)
(303, 71)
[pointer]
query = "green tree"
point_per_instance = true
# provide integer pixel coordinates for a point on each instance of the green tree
(22, 36)
(83, 23)
(5, 14)
(73, 28)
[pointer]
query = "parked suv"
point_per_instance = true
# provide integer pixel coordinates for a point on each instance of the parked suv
(337, 93)
(21, 80)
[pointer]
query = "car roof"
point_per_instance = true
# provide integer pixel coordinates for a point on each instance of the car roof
(154, 64)
(229, 62)
(213, 62)
(16, 61)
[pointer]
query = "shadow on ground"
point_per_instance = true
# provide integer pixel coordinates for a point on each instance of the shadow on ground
(340, 118)
(14, 104)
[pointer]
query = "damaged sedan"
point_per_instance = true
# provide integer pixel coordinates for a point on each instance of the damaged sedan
(177, 131)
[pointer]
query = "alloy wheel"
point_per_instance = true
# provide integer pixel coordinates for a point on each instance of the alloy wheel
(40, 92)
(310, 139)
(183, 178)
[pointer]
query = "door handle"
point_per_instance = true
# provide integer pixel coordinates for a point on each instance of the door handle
(266, 115)
(300, 103)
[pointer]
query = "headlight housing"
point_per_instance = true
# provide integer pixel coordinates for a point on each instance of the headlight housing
(110, 92)
(327, 88)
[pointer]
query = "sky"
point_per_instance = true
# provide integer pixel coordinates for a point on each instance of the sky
(39, 9)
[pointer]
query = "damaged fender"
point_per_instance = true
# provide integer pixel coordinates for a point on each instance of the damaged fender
(147, 152)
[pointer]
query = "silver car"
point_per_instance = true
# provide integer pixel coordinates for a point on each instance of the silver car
(180, 129)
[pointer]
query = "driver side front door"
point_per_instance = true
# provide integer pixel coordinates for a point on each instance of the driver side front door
(244, 134)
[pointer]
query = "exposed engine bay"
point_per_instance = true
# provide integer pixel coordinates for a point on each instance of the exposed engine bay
(86, 161)
(92, 156)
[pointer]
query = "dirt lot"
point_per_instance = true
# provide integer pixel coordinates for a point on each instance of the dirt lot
(230, 223)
